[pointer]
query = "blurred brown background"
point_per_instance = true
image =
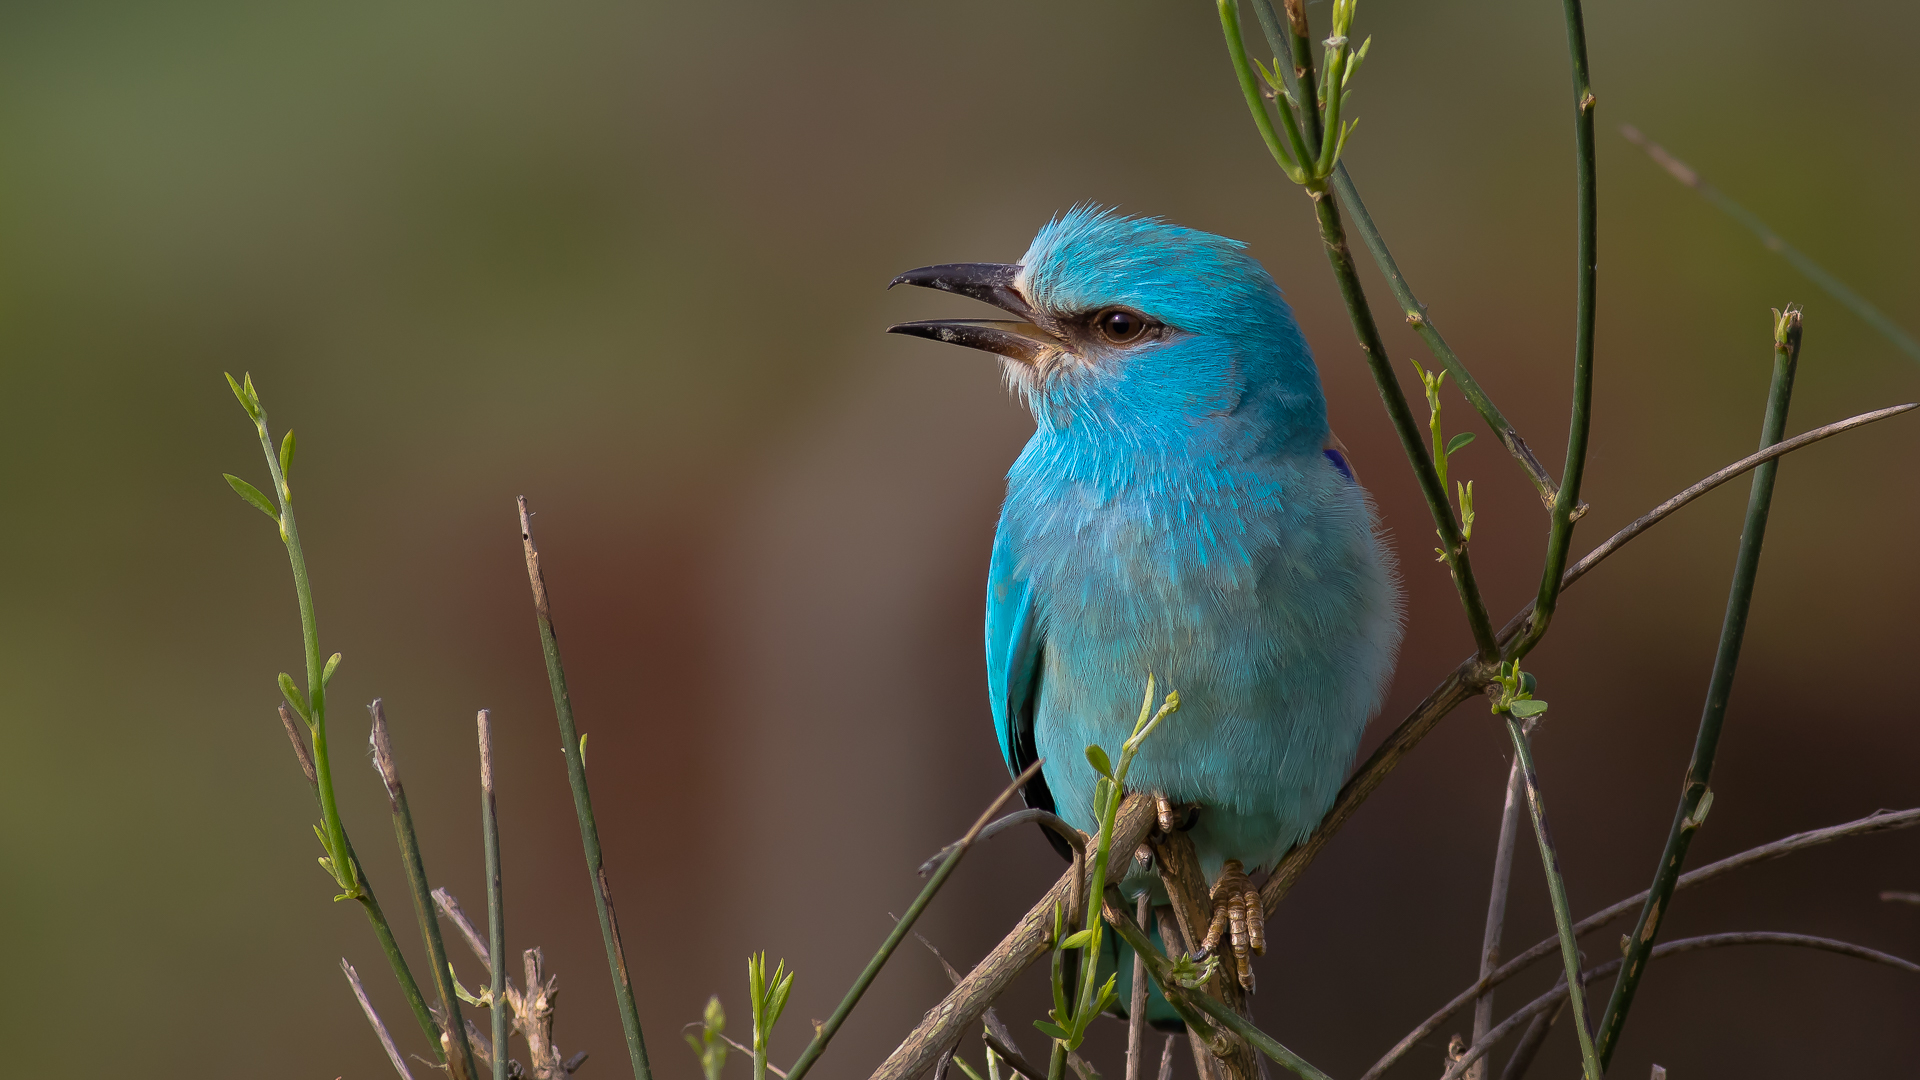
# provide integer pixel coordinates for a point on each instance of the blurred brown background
(630, 261)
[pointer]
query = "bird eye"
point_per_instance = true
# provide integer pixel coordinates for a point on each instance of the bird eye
(1120, 326)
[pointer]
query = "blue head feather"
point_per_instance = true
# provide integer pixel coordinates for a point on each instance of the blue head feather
(1232, 350)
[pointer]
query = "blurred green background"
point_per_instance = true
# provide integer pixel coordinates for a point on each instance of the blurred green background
(630, 261)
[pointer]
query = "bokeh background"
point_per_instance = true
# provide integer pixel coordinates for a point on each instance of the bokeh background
(629, 260)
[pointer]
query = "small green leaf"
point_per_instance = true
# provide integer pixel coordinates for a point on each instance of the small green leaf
(1699, 815)
(1527, 710)
(778, 999)
(286, 457)
(1079, 940)
(1097, 758)
(252, 494)
(1528, 683)
(253, 410)
(295, 698)
(462, 992)
(583, 764)
(966, 1068)
(1109, 995)
(1052, 1031)
(1454, 445)
(326, 673)
(320, 836)
(1192, 975)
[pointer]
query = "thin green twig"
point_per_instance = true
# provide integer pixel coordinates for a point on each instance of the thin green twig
(1816, 273)
(340, 861)
(459, 1055)
(383, 932)
(1333, 234)
(1557, 892)
(496, 902)
(1566, 503)
(900, 930)
(1417, 317)
(1411, 438)
(1695, 796)
(583, 806)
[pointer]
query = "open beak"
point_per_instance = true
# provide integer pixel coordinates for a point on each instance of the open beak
(1021, 339)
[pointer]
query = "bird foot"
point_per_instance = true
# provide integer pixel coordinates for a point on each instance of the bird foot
(1239, 917)
(1175, 817)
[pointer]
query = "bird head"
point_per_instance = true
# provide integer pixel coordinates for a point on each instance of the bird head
(1126, 323)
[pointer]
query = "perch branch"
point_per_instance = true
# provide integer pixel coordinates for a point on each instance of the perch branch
(1193, 912)
(1458, 686)
(900, 930)
(1186, 1001)
(1026, 943)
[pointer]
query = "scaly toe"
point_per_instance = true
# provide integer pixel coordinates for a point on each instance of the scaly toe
(1256, 923)
(1238, 915)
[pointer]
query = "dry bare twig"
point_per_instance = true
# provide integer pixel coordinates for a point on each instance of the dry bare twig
(1880, 821)
(380, 1029)
(1710, 941)
(1497, 908)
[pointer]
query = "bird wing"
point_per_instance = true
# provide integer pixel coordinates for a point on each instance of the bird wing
(1014, 649)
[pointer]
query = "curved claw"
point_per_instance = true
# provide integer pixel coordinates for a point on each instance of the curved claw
(1239, 918)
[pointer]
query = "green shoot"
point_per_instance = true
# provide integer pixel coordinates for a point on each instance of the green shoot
(1304, 162)
(709, 1046)
(1068, 1021)
(311, 704)
(1514, 696)
(1443, 449)
(769, 997)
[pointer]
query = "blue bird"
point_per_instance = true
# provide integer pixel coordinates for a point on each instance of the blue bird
(1182, 509)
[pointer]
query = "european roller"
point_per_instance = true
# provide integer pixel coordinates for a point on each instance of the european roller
(1182, 509)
